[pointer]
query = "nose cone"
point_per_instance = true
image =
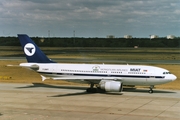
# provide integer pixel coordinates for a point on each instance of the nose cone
(170, 77)
(173, 77)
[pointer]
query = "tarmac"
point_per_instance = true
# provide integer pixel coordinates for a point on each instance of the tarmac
(40, 101)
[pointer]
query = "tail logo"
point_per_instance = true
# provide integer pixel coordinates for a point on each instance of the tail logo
(29, 49)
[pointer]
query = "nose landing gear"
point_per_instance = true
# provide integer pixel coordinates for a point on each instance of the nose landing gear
(151, 89)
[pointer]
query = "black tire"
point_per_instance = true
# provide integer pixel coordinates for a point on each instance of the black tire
(150, 91)
(91, 90)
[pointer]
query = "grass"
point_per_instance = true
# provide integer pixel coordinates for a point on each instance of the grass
(101, 53)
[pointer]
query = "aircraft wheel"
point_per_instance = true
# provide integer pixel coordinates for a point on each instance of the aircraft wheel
(99, 90)
(150, 91)
(91, 90)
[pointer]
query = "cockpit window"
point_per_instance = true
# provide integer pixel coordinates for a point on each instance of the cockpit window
(166, 73)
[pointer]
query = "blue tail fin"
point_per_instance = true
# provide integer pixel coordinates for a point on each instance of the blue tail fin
(32, 51)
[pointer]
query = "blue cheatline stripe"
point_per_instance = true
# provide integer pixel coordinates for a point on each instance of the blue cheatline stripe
(100, 75)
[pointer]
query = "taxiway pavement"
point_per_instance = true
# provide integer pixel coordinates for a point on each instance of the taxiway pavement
(55, 102)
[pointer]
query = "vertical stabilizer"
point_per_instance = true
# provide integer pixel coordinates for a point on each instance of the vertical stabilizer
(32, 51)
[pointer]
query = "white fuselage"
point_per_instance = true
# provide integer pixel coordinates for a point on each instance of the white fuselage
(94, 73)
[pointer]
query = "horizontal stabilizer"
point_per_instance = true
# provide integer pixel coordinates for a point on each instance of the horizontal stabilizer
(33, 66)
(13, 66)
(43, 78)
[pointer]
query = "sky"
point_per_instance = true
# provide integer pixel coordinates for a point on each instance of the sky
(90, 18)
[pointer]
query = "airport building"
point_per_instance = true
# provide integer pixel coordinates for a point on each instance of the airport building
(154, 36)
(110, 36)
(128, 36)
(171, 37)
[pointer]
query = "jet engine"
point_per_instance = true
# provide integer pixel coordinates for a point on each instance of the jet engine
(111, 86)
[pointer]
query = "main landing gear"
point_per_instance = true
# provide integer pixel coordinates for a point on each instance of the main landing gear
(151, 89)
(94, 90)
(91, 89)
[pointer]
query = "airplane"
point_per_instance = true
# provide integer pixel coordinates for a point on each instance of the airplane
(106, 77)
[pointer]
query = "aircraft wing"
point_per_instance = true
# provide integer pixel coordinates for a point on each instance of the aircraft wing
(82, 80)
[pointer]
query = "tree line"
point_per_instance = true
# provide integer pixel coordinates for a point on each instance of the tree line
(95, 42)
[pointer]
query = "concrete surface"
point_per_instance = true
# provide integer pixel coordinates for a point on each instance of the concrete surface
(52, 102)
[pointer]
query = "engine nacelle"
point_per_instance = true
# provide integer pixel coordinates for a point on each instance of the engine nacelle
(111, 86)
